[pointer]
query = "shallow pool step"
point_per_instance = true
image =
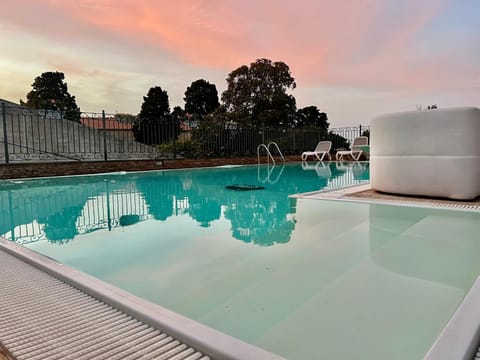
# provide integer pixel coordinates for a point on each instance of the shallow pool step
(42, 317)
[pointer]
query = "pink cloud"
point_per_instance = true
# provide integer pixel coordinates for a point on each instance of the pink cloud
(369, 43)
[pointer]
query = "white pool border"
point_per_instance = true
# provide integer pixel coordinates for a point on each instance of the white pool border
(343, 195)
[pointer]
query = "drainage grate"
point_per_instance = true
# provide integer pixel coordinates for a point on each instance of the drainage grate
(364, 194)
(42, 317)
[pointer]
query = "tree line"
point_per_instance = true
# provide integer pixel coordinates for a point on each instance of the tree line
(257, 96)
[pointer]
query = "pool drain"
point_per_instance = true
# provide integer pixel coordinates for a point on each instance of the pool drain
(244, 187)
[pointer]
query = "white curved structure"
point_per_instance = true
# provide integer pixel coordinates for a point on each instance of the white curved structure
(427, 153)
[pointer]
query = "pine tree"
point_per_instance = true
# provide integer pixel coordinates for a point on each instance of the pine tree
(50, 92)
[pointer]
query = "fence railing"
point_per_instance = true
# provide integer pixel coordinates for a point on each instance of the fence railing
(244, 141)
(39, 135)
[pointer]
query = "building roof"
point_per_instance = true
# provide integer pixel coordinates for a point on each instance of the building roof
(110, 124)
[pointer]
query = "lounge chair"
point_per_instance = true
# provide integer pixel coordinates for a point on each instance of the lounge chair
(355, 151)
(322, 150)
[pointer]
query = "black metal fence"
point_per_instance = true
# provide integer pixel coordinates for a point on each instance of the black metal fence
(228, 141)
(42, 135)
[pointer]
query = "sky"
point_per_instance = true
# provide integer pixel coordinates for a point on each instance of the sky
(353, 59)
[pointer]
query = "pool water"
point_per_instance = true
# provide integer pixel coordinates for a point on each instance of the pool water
(303, 278)
(61, 209)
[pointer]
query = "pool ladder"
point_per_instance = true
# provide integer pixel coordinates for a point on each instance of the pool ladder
(270, 170)
(269, 153)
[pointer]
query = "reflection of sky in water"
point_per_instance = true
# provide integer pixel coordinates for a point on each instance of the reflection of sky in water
(59, 210)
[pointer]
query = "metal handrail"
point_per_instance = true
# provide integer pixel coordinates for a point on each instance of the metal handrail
(269, 154)
(275, 145)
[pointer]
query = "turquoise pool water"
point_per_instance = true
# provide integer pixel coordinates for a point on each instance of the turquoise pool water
(302, 278)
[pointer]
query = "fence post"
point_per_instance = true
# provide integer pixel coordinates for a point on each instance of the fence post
(5, 137)
(360, 129)
(174, 123)
(294, 141)
(105, 157)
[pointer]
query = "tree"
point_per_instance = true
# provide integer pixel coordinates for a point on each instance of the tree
(50, 92)
(311, 116)
(178, 114)
(154, 125)
(338, 141)
(125, 118)
(257, 94)
(201, 98)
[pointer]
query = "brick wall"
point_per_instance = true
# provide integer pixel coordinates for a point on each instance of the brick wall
(17, 171)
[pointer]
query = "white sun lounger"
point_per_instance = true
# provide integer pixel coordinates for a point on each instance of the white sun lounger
(356, 151)
(322, 149)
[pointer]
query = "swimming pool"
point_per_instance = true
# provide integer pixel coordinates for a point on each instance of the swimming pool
(299, 277)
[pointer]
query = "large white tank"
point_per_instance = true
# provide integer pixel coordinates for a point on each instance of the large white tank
(427, 153)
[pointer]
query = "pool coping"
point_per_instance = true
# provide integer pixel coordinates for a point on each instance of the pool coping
(201, 337)
(460, 338)
(347, 194)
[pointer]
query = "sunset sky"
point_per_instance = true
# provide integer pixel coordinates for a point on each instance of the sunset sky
(354, 59)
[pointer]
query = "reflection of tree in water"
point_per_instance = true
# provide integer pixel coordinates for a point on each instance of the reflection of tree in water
(61, 227)
(260, 217)
(261, 220)
(159, 193)
(203, 195)
(204, 211)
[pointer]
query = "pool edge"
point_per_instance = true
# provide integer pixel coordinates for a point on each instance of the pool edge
(460, 338)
